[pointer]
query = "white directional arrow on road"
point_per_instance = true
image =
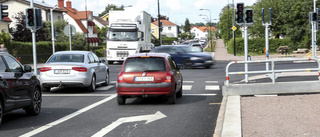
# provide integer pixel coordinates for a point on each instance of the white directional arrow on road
(148, 118)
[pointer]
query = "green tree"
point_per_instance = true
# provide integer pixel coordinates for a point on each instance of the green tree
(187, 26)
(225, 25)
(102, 32)
(109, 7)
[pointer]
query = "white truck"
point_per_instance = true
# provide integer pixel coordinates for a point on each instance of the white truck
(129, 33)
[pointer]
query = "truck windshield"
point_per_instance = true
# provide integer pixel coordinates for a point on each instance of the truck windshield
(123, 36)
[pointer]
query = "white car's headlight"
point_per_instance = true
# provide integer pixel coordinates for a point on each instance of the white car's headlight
(195, 58)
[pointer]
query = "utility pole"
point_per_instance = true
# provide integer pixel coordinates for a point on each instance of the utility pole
(160, 43)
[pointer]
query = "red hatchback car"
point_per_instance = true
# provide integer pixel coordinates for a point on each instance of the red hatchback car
(149, 74)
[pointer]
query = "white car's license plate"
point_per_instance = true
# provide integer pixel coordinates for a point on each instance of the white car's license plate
(61, 71)
(143, 78)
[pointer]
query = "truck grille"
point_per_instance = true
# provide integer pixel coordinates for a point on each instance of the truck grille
(122, 53)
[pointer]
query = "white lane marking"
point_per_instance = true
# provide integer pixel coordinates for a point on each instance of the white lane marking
(76, 95)
(63, 119)
(113, 82)
(186, 87)
(188, 81)
(104, 88)
(212, 82)
(199, 94)
(215, 87)
(148, 118)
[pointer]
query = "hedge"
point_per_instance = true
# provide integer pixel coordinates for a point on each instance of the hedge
(24, 50)
(257, 46)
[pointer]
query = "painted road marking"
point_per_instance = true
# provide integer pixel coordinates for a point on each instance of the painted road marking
(148, 118)
(215, 87)
(113, 82)
(63, 119)
(199, 94)
(212, 82)
(186, 87)
(188, 81)
(76, 95)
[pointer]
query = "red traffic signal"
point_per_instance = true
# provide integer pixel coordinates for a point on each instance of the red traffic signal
(239, 13)
(30, 17)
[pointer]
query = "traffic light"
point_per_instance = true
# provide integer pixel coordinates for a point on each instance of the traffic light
(314, 16)
(30, 18)
(33, 18)
(249, 16)
(3, 14)
(160, 27)
(239, 13)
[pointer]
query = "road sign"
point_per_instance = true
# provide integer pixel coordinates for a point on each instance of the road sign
(234, 28)
(67, 28)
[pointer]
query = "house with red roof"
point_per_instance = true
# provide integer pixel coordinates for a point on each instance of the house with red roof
(4, 24)
(201, 32)
(16, 6)
(82, 20)
(169, 29)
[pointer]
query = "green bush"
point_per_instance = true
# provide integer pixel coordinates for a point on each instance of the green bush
(168, 40)
(257, 46)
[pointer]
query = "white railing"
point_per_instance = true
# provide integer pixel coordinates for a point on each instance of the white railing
(272, 71)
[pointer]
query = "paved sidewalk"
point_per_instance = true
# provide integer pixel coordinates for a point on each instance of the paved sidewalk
(260, 116)
(221, 53)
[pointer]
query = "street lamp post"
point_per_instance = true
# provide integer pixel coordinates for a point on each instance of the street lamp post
(52, 28)
(209, 28)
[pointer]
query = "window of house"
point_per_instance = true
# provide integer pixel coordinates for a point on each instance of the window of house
(169, 28)
(153, 31)
(59, 17)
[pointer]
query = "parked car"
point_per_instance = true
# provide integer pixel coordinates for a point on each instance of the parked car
(74, 69)
(196, 47)
(184, 55)
(19, 87)
(149, 74)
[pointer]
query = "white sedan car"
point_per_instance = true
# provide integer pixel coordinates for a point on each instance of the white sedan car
(74, 69)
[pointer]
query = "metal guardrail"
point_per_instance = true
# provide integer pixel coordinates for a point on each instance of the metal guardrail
(272, 71)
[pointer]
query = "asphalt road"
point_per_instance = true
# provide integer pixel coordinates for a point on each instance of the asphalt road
(74, 112)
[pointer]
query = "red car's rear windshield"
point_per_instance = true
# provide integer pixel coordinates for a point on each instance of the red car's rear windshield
(144, 64)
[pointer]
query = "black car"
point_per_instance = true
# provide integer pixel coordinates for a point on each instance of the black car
(19, 87)
(186, 55)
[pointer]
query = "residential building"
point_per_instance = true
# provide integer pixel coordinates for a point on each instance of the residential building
(16, 6)
(155, 30)
(169, 29)
(4, 24)
(105, 17)
(201, 32)
(82, 20)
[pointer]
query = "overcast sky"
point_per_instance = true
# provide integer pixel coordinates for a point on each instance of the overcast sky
(176, 10)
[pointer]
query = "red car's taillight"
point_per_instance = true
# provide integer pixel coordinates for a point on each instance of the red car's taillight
(44, 69)
(168, 78)
(120, 79)
(80, 69)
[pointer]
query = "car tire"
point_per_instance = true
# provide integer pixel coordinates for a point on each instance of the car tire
(35, 106)
(1, 112)
(187, 64)
(107, 81)
(92, 86)
(121, 100)
(45, 89)
(179, 93)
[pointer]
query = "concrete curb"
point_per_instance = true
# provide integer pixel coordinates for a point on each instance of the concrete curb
(220, 119)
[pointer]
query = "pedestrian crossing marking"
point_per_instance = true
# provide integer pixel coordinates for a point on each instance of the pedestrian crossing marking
(188, 81)
(113, 82)
(186, 87)
(215, 87)
(212, 82)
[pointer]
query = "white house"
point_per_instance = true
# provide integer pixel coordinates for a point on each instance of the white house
(16, 6)
(169, 29)
(82, 20)
(201, 32)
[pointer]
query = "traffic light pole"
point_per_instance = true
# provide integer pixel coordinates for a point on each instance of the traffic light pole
(313, 45)
(33, 31)
(246, 51)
